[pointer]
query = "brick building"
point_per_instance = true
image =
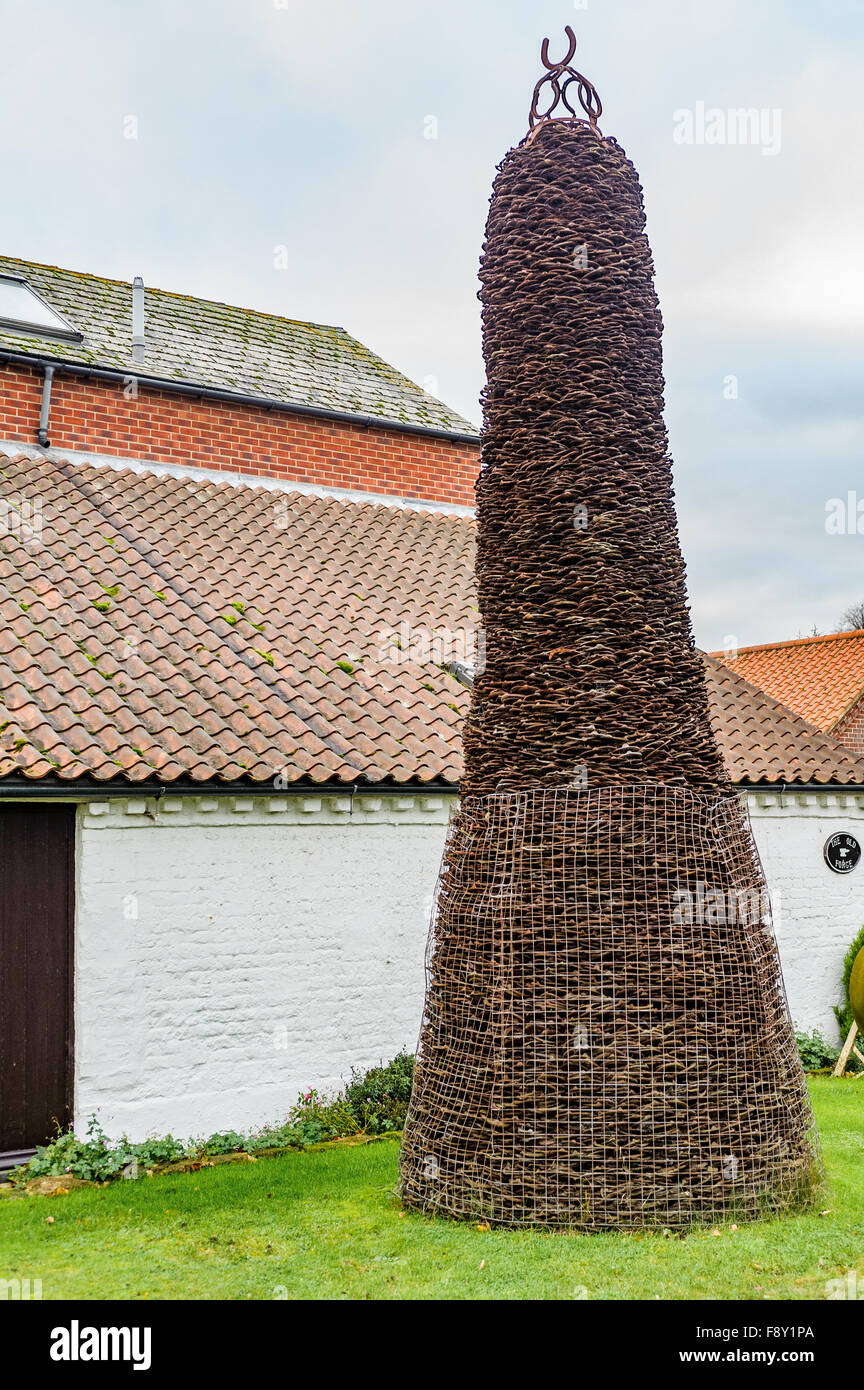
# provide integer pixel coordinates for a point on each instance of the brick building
(236, 581)
(217, 388)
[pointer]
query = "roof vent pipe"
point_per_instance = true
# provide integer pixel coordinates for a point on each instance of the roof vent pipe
(137, 319)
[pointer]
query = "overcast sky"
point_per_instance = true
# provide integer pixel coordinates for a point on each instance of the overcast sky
(304, 126)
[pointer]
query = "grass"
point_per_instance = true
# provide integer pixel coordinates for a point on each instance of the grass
(327, 1225)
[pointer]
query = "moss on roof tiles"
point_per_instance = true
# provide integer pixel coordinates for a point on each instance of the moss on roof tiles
(206, 343)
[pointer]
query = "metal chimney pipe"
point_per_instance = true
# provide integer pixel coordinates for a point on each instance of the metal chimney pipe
(138, 319)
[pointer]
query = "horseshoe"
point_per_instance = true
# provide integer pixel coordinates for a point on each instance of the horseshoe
(544, 51)
(588, 97)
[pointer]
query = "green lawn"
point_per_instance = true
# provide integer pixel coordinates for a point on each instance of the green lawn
(326, 1225)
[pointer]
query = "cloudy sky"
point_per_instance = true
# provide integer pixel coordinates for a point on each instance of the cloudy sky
(303, 126)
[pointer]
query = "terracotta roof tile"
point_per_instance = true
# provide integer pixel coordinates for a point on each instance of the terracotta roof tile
(764, 741)
(237, 649)
(818, 677)
(161, 683)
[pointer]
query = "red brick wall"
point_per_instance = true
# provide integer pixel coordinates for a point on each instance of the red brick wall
(850, 729)
(163, 427)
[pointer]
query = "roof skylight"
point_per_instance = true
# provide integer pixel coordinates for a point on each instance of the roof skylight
(24, 311)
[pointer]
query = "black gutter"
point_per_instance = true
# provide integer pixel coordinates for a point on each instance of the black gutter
(14, 788)
(790, 788)
(236, 397)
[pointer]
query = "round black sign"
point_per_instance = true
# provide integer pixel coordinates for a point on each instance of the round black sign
(842, 853)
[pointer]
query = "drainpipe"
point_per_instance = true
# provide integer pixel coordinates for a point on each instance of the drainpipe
(45, 411)
(138, 319)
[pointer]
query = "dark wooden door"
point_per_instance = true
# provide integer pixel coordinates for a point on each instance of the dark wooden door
(36, 898)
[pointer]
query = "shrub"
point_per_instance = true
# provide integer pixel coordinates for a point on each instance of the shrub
(843, 1011)
(316, 1119)
(378, 1098)
(816, 1052)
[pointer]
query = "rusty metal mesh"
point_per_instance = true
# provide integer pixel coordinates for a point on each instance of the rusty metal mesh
(606, 1041)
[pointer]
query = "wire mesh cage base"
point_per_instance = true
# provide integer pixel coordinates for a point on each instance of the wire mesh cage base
(606, 1040)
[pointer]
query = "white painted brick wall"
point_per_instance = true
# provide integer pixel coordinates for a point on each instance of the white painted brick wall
(817, 912)
(272, 950)
(231, 952)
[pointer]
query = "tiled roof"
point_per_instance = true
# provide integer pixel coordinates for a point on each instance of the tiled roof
(763, 741)
(176, 628)
(818, 677)
(202, 343)
(160, 627)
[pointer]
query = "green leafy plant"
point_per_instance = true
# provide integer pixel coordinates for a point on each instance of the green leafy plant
(378, 1098)
(151, 1152)
(95, 1157)
(228, 1142)
(317, 1119)
(374, 1102)
(816, 1053)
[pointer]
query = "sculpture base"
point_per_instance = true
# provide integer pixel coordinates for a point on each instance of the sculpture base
(606, 1040)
